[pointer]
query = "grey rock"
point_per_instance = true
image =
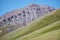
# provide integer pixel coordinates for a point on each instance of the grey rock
(24, 15)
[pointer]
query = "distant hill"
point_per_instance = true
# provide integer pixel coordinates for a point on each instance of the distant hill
(47, 25)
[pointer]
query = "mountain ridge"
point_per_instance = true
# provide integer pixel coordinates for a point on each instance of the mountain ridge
(33, 10)
(21, 17)
(49, 23)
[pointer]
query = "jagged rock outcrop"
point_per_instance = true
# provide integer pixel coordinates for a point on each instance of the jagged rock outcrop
(24, 15)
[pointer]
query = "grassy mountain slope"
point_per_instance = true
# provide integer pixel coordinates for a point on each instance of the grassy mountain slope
(36, 25)
(53, 35)
(49, 28)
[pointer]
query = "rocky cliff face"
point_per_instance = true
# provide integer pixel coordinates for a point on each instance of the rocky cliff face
(0, 17)
(24, 15)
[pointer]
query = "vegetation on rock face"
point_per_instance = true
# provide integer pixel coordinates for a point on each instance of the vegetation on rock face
(8, 28)
(43, 25)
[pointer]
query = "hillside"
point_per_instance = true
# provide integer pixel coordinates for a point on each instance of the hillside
(35, 34)
(45, 25)
(21, 17)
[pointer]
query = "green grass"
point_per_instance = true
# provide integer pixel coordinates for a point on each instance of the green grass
(38, 24)
(53, 35)
(49, 28)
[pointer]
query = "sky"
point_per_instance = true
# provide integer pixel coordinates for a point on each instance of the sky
(9, 5)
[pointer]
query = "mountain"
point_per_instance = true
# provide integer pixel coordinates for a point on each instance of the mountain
(25, 15)
(45, 28)
(0, 17)
(22, 17)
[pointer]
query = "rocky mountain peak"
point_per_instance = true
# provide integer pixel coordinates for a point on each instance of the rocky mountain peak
(27, 13)
(24, 15)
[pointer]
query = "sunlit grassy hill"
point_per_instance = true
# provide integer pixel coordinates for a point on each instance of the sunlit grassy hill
(44, 28)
